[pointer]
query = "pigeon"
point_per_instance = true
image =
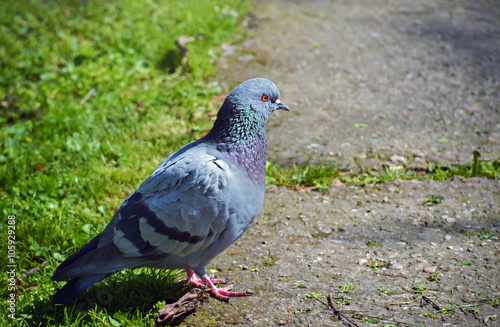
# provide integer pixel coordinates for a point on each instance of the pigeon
(198, 201)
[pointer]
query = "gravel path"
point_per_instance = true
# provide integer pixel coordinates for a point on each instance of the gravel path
(372, 82)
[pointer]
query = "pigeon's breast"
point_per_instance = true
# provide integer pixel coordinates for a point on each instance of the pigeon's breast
(215, 201)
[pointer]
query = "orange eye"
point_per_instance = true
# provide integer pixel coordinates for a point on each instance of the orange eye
(264, 98)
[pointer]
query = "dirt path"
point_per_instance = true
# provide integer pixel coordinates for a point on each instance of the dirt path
(372, 82)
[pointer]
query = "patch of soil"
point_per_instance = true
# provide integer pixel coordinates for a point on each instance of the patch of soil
(357, 243)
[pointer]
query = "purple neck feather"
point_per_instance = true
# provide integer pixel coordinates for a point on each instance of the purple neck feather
(239, 133)
(250, 155)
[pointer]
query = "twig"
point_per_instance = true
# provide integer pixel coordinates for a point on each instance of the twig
(32, 270)
(338, 313)
(407, 302)
(89, 94)
(434, 305)
(103, 323)
(390, 275)
(407, 289)
(389, 320)
(19, 280)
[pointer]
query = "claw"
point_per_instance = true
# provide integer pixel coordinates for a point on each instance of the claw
(218, 280)
(200, 283)
(221, 293)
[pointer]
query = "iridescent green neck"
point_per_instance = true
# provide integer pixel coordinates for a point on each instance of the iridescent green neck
(237, 126)
(240, 134)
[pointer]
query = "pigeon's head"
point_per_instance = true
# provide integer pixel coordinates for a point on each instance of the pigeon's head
(246, 109)
(257, 94)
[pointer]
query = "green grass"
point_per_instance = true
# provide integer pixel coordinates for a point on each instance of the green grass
(433, 277)
(433, 200)
(474, 168)
(67, 164)
(321, 176)
(388, 291)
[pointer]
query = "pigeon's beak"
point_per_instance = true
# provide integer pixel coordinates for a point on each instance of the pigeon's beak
(281, 105)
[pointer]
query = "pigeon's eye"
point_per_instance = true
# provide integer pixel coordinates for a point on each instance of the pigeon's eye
(264, 98)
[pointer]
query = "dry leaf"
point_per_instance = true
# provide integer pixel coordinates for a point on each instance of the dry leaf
(187, 303)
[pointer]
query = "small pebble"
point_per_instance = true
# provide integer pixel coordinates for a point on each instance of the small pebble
(396, 158)
(416, 265)
(423, 236)
(430, 270)
(246, 58)
(326, 230)
(352, 166)
(447, 237)
(362, 262)
(397, 266)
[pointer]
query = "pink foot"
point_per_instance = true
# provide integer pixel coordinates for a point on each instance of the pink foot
(196, 282)
(222, 293)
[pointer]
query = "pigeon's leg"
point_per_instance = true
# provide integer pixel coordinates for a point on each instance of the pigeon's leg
(222, 293)
(196, 282)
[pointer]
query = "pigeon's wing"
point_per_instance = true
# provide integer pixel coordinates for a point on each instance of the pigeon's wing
(180, 209)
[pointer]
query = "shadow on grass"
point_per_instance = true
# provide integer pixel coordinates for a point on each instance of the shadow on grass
(127, 296)
(170, 61)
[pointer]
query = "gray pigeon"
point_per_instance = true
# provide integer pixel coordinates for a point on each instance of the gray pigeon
(193, 206)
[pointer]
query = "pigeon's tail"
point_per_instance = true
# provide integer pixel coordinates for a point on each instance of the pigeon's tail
(87, 266)
(59, 274)
(75, 287)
